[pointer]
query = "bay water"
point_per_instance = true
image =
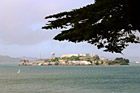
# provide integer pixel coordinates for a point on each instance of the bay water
(70, 79)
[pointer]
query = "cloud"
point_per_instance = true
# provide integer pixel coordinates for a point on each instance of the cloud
(21, 22)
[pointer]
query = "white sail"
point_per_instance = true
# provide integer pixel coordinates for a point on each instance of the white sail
(137, 61)
(18, 71)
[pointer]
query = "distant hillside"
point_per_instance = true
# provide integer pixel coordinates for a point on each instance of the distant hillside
(8, 60)
(11, 60)
(28, 58)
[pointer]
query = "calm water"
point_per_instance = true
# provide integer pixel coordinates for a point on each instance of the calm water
(73, 79)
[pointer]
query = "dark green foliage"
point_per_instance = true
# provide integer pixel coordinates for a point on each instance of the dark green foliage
(54, 60)
(89, 60)
(133, 12)
(75, 58)
(107, 24)
(102, 61)
(96, 57)
(121, 61)
(97, 63)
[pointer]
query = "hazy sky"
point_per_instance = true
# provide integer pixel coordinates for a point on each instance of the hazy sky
(21, 33)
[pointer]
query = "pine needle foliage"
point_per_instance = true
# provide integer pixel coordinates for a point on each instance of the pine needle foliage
(107, 24)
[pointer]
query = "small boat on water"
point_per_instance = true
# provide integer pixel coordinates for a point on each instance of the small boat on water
(137, 61)
(18, 71)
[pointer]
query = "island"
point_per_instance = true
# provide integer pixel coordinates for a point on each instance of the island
(74, 60)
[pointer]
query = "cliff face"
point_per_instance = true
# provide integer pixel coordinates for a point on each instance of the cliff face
(47, 62)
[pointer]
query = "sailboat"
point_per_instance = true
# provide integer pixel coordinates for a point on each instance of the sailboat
(137, 61)
(18, 71)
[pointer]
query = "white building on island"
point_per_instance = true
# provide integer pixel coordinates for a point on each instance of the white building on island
(70, 55)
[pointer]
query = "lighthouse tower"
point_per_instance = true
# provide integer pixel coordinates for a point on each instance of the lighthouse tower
(53, 55)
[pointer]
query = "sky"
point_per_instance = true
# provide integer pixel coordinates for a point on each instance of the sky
(21, 34)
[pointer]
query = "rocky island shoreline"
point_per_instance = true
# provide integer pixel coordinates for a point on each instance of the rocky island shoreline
(74, 60)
